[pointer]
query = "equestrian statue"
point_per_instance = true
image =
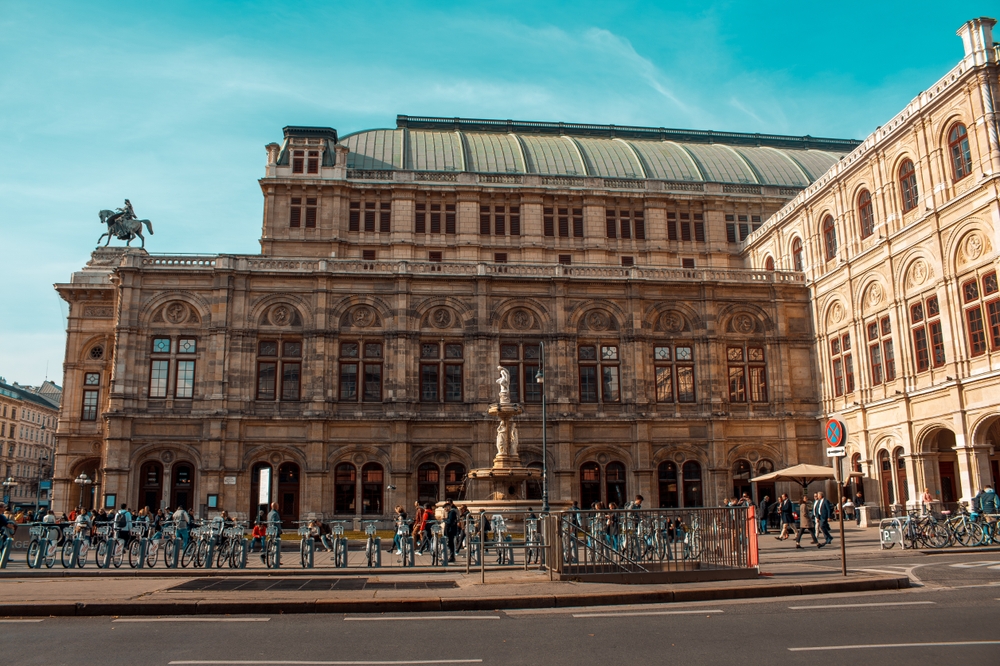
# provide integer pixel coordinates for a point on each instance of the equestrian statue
(123, 225)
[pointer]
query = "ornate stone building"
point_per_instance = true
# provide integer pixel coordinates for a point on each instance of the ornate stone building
(898, 245)
(28, 417)
(353, 359)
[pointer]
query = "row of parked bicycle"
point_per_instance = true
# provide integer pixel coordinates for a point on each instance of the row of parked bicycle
(926, 530)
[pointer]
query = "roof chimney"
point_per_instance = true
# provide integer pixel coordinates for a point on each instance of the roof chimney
(977, 38)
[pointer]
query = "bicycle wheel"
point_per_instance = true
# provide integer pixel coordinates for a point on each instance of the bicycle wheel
(100, 553)
(168, 553)
(974, 535)
(189, 554)
(201, 559)
(33, 549)
(937, 535)
(133, 554)
(221, 553)
(66, 553)
(50, 556)
(272, 551)
(81, 560)
(118, 554)
(152, 554)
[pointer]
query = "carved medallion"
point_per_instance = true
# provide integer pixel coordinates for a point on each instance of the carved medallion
(96, 352)
(167, 456)
(441, 318)
(973, 246)
(837, 313)
(672, 322)
(598, 321)
(743, 323)
(176, 313)
(281, 315)
(363, 316)
(602, 458)
(753, 456)
(678, 458)
(918, 273)
(275, 458)
(521, 320)
(874, 295)
(359, 459)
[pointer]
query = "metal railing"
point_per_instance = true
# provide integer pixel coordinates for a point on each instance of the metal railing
(650, 540)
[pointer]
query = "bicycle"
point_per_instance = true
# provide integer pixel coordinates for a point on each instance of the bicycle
(196, 549)
(230, 547)
(140, 531)
(339, 543)
(963, 528)
(40, 532)
(372, 554)
(108, 540)
(307, 544)
(82, 537)
(272, 546)
(405, 541)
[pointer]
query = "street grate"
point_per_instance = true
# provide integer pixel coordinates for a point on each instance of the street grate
(305, 585)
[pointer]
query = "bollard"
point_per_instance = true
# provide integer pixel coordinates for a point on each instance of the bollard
(43, 548)
(75, 554)
(378, 551)
(174, 558)
(408, 561)
(482, 546)
(343, 553)
(143, 545)
(244, 552)
(109, 548)
(310, 552)
(210, 555)
(277, 553)
(5, 547)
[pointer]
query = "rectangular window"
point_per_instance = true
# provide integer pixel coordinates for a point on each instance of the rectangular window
(548, 222)
(298, 161)
(499, 221)
(434, 256)
(699, 227)
(685, 227)
(429, 382)
(565, 259)
(385, 217)
(640, 225)
(875, 357)
(373, 382)
(369, 216)
(664, 384)
(89, 406)
(266, 376)
(348, 381)
(920, 349)
(310, 213)
(421, 220)
(312, 165)
(611, 226)
(672, 226)
(184, 379)
(158, 379)
(628, 261)
(500, 258)
(484, 220)
(977, 331)
(449, 219)
(993, 314)
(838, 376)
(89, 379)
(563, 220)
(187, 346)
(515, 220)
(625, 224)
(937, 342)
(452, 383)
(743, 227)
(368, 255)
(687, 263)
(290, 380)
(295, 215)
(435, 218)
(577, 223)
(737, 384)
(588, 383)
(609, 387)
(758, 383)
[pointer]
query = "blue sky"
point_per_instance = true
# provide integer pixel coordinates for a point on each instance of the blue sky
(171, 105)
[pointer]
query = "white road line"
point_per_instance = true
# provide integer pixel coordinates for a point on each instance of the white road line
(13, 621)
(891, 645)
(192, 619)
(886, 603)
(362, 618)
(266, 662)
(677, 612)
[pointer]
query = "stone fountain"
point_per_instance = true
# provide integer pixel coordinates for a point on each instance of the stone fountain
(505, 480)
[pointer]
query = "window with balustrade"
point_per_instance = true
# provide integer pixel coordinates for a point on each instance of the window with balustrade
(881, 354)
(279, 370)
(674, 372)
(747, 373)
(441, 369)
(599, 372)
(842, 364)
(360, 368)
(928, 335)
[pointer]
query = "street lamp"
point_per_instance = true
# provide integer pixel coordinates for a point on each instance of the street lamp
(38, 487)
(540, 378)
(83, 481)
(8, 483)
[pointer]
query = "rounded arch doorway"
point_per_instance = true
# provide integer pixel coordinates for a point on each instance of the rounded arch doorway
(151, 485)
(182, 486)
(288, 493)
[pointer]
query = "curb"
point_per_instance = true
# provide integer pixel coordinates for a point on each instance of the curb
(433, 604)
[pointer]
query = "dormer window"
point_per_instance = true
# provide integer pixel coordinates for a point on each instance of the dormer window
(305, 161)
(298, 161)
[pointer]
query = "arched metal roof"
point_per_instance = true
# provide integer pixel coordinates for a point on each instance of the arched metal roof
(607, 151)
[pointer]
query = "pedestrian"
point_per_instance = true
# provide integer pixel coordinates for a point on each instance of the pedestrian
(925, 501)
(123, 524)
(182, 522)
(848, 509)
(821, 516)
(785, 513)
(805, 522)
(463, 522)
(764, 506)
(989, 506)
(274, 526)
(425, 528)
(418, 522)
(401, 530)
(859, 501)
(451, 528)
(257, 535)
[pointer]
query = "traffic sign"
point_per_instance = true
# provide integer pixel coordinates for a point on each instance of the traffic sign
(836, 432)
(836, 452)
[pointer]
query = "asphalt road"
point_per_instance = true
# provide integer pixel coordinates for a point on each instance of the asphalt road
(954, 617)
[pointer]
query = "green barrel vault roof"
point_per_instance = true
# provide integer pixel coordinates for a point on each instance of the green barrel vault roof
(607, 151)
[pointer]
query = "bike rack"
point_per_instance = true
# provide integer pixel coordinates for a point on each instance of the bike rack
(8, 543)
(369, 533)
(309, 543)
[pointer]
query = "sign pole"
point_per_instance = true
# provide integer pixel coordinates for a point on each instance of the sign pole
(840, 512)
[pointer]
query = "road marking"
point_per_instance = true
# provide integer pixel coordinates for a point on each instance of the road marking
(362, 618)
(13, 621)
(266, 662)
(972, 565)
(192, 619)
(891, 645)
(634, 614)
(885, 603)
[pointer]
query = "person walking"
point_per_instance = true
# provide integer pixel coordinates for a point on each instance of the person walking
(273, 523)
(451, 528)
(805, 522)
(785, 514)
(989, 507)
(764, 505)
(925, 501)
(182, 524)
(859, 501)
(821, 516)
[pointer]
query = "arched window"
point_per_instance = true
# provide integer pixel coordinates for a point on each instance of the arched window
(797, 255)
(692, 484)
(372, 483)
(454, 481)
(769, 264)
(829, 238)
(345, 487)
(866, 215)
(958, 148)
(150, 485)
(908, 185)
(428, 479)
(667, 476)
(899, 462)
(590, 484)
(614, 481)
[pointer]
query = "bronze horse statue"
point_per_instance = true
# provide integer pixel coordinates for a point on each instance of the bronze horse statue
(123, 225)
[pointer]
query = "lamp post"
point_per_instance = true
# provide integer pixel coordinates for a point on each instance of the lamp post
(83, 481)
(540, 378)
(8, 483)
(38, 486)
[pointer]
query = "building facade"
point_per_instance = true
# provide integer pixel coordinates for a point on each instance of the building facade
(28, 419)
(898, 245)
(353, 360)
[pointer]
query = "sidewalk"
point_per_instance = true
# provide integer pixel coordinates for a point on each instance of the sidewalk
(785, 572)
